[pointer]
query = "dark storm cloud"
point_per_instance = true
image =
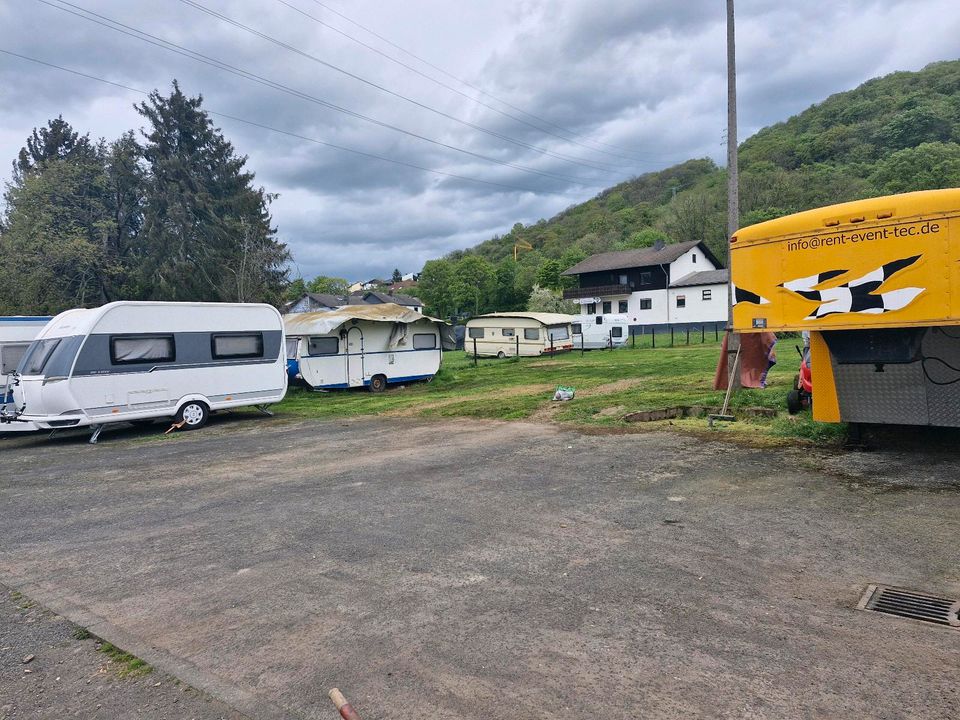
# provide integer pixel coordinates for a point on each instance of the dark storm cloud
(647, 77)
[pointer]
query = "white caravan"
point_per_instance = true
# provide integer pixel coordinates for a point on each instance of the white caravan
(508, 334)
(132, 361)
(16, 334)
(363, 345)
(595, 332)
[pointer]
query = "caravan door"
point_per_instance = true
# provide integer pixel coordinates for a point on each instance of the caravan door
(355, 357)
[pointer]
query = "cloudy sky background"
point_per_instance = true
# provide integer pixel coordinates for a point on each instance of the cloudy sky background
(601, 90)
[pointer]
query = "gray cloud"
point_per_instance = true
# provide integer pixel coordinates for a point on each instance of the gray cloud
(647, 77)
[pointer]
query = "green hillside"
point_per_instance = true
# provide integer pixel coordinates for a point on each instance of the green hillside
(892, 134)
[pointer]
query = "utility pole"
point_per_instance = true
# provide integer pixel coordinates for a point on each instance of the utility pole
(733, 193)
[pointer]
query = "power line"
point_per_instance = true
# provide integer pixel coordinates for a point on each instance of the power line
(240, 72)
(432, 79)
(253, 123)
(371, 83)
(467, 84)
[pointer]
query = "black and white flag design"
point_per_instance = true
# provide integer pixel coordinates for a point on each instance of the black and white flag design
(745, 296)
(856, 296)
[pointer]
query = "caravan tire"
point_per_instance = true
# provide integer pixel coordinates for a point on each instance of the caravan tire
(193, 415)
(501, 354)
(378, 383)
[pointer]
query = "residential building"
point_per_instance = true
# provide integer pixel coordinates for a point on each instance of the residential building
(371, 297)
(313, 302)
(656, 288)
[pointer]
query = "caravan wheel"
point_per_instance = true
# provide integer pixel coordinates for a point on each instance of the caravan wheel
(378, 383)
(193, 415)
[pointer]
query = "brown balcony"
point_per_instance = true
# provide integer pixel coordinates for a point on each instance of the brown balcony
(597, 291)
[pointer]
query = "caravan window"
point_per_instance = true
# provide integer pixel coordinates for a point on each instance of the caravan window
(323, 346)
(475, 332)
(577, 329)
(558, 332)
(424, 341)
(507, 332)
(38, 354)
(127, 349)
(531, 333)
(10, 357)
(249, 345)
(616, 332)
(293, 344)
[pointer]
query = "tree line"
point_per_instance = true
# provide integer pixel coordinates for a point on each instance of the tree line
(170, 215)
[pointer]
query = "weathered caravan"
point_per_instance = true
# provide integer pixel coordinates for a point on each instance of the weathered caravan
(16, 334)
(131, 361)
(518, 333)
(363, 345)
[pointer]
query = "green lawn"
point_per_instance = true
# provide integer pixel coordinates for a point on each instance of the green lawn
(609, 385)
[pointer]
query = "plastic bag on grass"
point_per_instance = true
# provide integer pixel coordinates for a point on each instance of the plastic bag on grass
(564, 393)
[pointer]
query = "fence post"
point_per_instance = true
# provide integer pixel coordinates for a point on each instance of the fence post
(671, 336)
(653, 337)
(633, 340)
(517, 338)
(474, 352)
(702, 335)
(581, 341)
(716, 332)
(610, 338)
(551, 341)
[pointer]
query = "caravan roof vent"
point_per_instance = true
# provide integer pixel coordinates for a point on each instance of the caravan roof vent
(911, 604)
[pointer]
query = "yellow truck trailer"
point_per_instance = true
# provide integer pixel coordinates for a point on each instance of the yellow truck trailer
(877, 284)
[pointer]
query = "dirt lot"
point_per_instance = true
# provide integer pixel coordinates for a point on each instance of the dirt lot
(468, 569)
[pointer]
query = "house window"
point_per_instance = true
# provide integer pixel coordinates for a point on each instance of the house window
(424, 341)
(623, 279)
(475, 332)
(591, 309)
(577, 329)
(507, 332)
(622, 306)
(249, 345)
(531, 333)
(323, 346)
(646, 303)
(599, 319)
(646, 278)
(616, 332)
(125, 350)
(10, 357)
(681, 301)
(707, 294)
(607, 308)
(694, 256)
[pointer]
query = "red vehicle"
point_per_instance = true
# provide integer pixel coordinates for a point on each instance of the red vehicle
(801, 397)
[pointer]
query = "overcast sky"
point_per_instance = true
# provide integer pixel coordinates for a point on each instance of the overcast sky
(580, 94)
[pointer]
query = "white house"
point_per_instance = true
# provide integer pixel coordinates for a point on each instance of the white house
(677, 285)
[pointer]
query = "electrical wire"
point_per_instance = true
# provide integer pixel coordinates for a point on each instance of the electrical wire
(146, 37)
(464, 82)
(442, 84)
(383, 88)
(306, 138)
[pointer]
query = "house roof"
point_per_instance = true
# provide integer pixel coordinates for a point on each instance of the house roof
(361, 298)
(327, 299)
(542, 317)
(704, 277)
(643, 257)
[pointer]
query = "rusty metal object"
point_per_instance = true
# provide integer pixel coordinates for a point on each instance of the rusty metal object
(345, 708)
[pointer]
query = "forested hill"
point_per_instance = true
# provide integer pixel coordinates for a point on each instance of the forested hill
(892, 134)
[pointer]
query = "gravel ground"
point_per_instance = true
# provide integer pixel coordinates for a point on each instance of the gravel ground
(468, 570)
(67, 677)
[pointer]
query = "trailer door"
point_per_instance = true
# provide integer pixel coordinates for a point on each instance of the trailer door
(355, 357)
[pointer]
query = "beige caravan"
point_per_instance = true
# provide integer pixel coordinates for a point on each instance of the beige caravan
(508, 334)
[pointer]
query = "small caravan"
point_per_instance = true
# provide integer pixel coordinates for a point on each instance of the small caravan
(133, 361)
(508, 334)
(595, 332)
(363, 346)
(16, 334)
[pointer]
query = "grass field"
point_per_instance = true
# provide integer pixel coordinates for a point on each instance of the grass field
(609, 385)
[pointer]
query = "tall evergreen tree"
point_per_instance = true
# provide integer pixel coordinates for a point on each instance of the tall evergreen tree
(207, 231)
